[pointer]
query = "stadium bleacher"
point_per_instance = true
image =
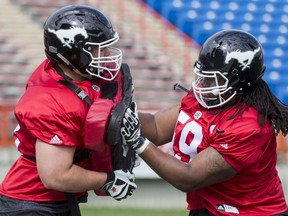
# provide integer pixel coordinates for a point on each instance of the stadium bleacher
(197, 19)
(141, 57)
(266, 19)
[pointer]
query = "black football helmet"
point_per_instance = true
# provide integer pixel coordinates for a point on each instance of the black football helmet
(229, 63)
(73, 32)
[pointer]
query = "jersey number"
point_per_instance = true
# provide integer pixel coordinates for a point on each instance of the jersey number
(190, 137)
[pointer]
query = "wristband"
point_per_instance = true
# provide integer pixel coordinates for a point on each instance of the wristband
(142, 147)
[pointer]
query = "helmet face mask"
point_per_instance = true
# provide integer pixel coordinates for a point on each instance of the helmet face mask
(211, 88)
(71, 35)
(230, 62)
(104, 67)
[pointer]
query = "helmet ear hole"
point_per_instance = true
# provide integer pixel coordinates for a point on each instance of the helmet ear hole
(80, 43)
(234, 71)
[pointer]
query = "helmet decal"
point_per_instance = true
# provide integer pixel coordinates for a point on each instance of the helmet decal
(67, 36)
(244, 58)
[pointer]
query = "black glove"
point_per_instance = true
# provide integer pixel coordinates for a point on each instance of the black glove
(130, 130)
(119, 184)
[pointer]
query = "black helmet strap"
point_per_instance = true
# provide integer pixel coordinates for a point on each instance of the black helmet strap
(68, 82)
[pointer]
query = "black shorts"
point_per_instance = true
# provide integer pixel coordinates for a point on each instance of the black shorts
(200, 212)
(14, 207)
(205, 212)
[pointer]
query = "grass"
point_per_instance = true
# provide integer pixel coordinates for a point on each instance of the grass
(106, 211)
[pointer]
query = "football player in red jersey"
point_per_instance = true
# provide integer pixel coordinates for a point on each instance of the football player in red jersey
(223, 134)
(53, 173)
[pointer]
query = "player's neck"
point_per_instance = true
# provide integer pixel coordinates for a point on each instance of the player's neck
(73, 75)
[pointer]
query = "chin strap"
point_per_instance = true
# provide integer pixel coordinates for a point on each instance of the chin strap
(68, 82)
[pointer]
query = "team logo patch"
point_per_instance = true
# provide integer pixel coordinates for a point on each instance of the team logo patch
(95, 87)
(67, 36)
(197, 115)
(244, 58)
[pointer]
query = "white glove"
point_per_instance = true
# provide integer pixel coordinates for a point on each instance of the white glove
(130, 130)
(119, 184)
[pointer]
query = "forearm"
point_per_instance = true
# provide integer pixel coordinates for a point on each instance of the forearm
(207, 168)
(176, 172)
(75, 179)
(117, 184)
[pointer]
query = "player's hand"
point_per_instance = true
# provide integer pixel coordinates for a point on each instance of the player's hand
(130, 130)
(119, 184)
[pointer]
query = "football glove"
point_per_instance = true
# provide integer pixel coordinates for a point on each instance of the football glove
(119, 184)
(130, 130)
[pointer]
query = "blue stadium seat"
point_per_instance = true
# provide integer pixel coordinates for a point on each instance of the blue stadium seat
(202, 31)
(171, 10)
(281, 91)
(187, 21)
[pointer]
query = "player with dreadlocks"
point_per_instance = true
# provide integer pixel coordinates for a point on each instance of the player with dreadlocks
(223, 133)
(271, 108)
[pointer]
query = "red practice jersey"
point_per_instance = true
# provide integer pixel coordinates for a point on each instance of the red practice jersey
(51, 112)
(256, 189)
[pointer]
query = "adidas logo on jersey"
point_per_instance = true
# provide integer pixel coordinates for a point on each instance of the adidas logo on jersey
(227, 208)
(55, 140)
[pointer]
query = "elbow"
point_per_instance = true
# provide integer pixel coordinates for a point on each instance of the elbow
(54, 178)
(185, 187)
(48, 185)
(186, 183)
(52, 182)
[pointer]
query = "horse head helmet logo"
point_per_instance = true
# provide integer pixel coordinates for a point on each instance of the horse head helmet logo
(244, 58)
(67, 36)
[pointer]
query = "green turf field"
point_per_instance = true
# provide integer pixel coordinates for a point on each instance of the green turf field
(106, 211)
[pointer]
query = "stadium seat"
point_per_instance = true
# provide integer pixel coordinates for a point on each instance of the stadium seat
(187, 21)
(172, 10)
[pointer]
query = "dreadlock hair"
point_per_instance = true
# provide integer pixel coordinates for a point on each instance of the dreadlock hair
(269, 107)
